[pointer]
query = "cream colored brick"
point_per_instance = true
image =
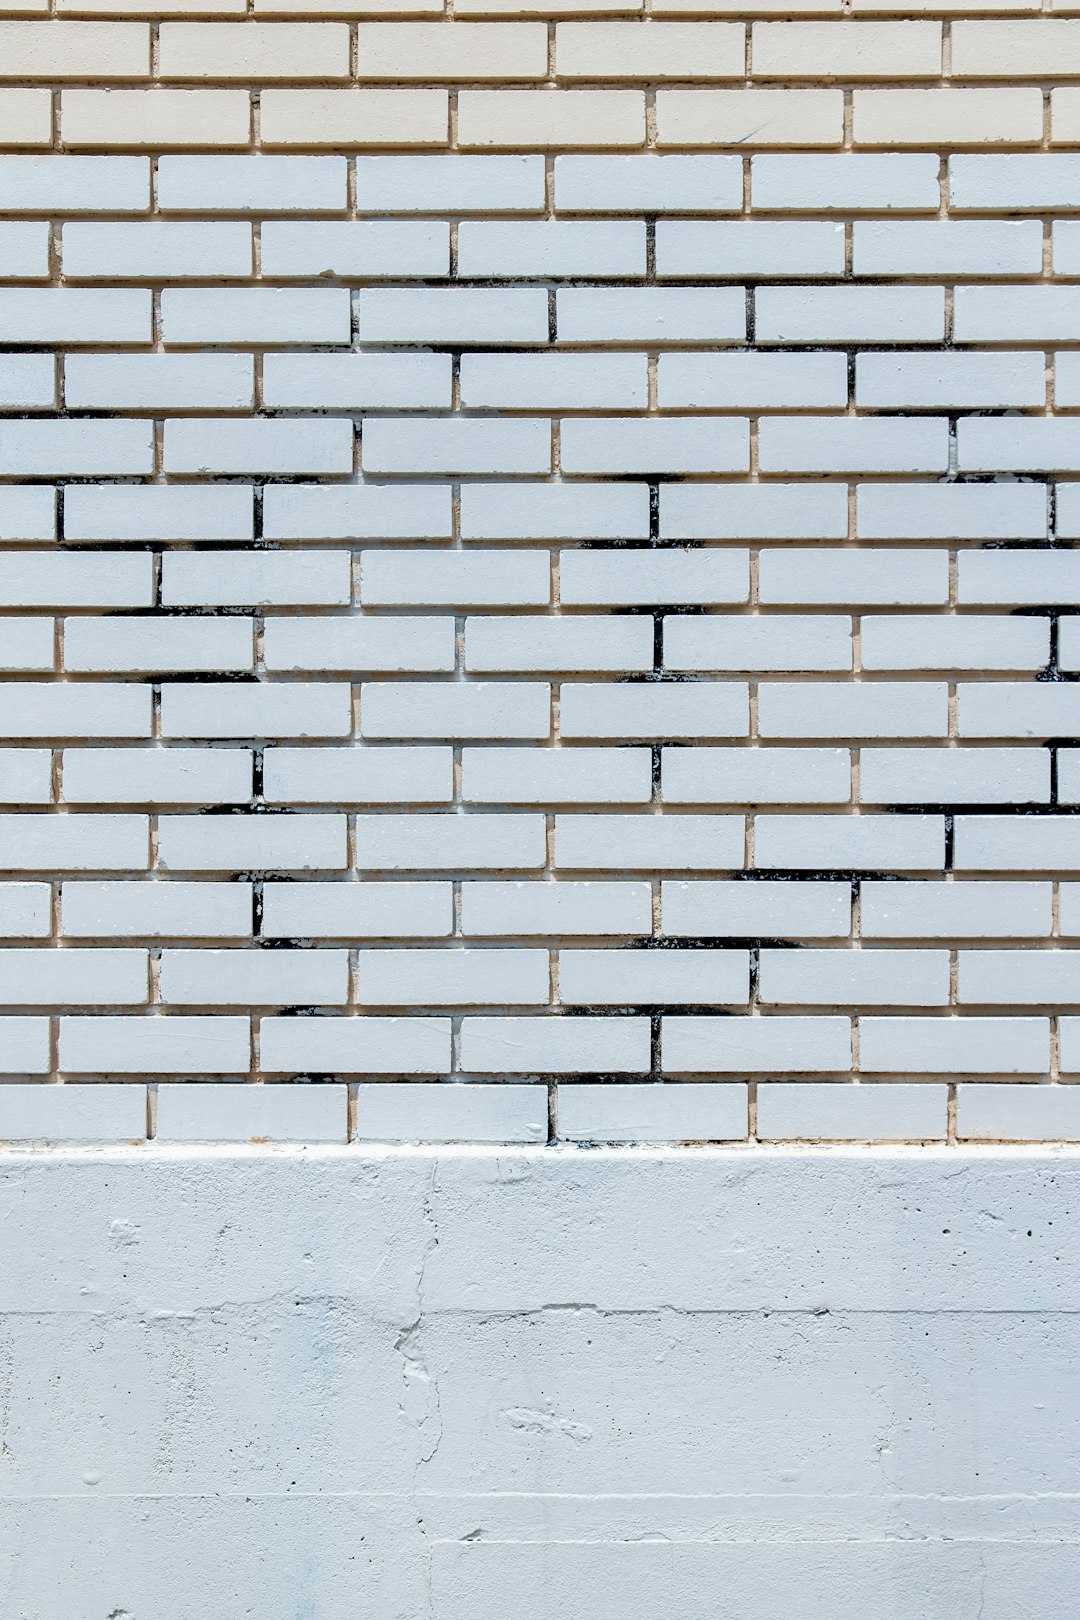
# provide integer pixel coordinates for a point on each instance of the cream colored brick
(846, 50)
(938, 8)
(1064, 117)
(665, 50)
(548, 8)
(25, 118)
(738, 8)
(348, 8)
(1047, 47)
(749, 118)
(74, 50)
(148, 8)
(551, 118)
(254, 50)
(157, 118)
(443, 50)
(948, 117)
(338, 118)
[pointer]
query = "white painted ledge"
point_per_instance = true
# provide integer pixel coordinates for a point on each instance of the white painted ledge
(522, 1383)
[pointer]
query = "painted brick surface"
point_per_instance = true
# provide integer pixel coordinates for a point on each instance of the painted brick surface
(538, 552)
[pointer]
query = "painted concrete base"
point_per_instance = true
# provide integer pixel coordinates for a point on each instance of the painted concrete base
(833, 1384)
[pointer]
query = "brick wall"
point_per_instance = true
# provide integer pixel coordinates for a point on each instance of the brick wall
(539, 553)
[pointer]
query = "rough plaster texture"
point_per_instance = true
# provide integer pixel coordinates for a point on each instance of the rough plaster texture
(490, 1382)
(487, 494)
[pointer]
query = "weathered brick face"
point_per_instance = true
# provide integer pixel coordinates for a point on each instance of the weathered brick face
(538, 552)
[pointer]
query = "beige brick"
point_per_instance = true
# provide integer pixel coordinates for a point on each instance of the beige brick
(74, 50)
(760, 8)
(147, 8)
(947, 117)
(846, 50)
(254, 51)
(548, 8)
(348, 8)
(938, 8)
(445, 50)
(332, 118)
(750, 118)
(25, 118)
(1064, 117)
(1009, 50)
(666, 50)
(156, 118)
(551, 118)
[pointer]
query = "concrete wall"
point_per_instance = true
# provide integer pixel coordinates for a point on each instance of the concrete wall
(519, 1384)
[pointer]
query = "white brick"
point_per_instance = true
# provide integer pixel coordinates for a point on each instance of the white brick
(954, 1045)
(752, 381)
(25, 910)
(656, 1113)
(670, 843)
(360, 512)
(198, 1045)
(97, 250)
(55, 184)
(730, 642)
(240, 978)
(399, 578)
(666, 577)
(237, 315)
(756, 775)
(555, 1045)
(944, 910)
(45, 977)
(852, 1113)
(27, 382)
(441, 978)
(100, 1113)
(650, 315)
(154, 382)
(157, 512)
(427, 445)
(850, 314)
(421, 1112)
(450, 182)
(894, 247)
(231, 1113)
(153, 910)
(753, 512)
(353, 248)
(1004, 1113)
(465, 315)
(356, 1045)
(653, 709)
(567, 907)
(741, 1045)
(653, 977)
(251, 843)
(200, 445)
(551, 248)
(241, 185)
(686, 247)
(555, 512)
(24, 250)
(381, 910)
(24, 1050)
(808, 182)
(455, 709)
(720, 910)
(609, 185)
(361, 776)
(353, 382)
